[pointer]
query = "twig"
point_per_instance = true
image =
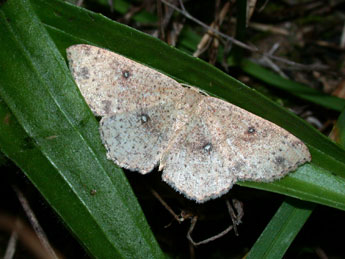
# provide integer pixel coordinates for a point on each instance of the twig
(27, 238)
(227, 37)
(12, 243)
(165, 205)
(311, 67)
(268, 62)
(235, 217)
(193, 223)
(263, 6)
(161, 30)
(266, 28)
(243, 45)
(206, 39)
(34, 222)
(250, 10)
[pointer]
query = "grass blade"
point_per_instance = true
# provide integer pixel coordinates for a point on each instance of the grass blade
(328, 164)
(281, 230)
(64, 156)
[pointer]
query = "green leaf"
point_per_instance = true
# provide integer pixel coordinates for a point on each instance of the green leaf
(39, 91)
(281, 230)
(309, 183)
(57, 144)
(328, 164)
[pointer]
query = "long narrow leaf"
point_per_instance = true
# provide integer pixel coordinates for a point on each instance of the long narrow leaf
(70, 25)
(281, 230)
(68, 163)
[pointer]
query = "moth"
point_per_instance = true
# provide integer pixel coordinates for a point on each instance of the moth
(203, 145)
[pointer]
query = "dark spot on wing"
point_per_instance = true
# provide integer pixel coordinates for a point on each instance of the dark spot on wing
(251, 130)
(86, 50)
(126, 74)
(106, 106)
(238, 166)
(144, 118)
(85, 73)
(296, 144)
(264, 133)
(279, 160)
(207, 148)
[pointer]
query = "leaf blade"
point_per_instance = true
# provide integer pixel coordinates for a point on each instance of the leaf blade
(281, 230)
(45, 101)
(327, 158)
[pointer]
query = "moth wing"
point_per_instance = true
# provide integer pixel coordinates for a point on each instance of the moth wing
(111, 83)
(135, 140)
(204, 144)
(194, 163)
(141, 107)
(258, 149)
(222, 144)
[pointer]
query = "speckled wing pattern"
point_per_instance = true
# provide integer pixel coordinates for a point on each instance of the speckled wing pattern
(140, 107)
(202, 144)
(222, 144)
